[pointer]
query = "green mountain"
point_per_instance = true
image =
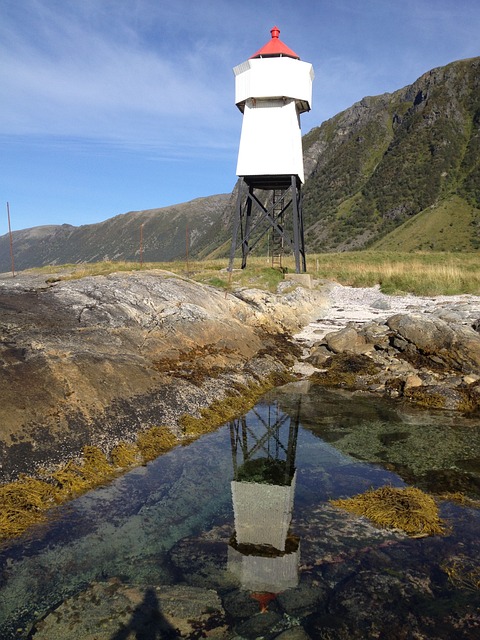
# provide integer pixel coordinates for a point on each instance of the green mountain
(400, 171)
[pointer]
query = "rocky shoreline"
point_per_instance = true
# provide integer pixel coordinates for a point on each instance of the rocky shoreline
(422, 350)
(99, 359)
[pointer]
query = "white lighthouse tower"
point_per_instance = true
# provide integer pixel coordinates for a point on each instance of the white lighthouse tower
(272, 88)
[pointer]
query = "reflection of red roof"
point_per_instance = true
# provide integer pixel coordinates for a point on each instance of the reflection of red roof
(275, 47)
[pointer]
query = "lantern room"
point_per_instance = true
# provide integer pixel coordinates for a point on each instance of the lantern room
(272, 89)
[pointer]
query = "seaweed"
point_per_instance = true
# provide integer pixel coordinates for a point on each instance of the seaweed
(75, 478)
(408, 509)
(345, 370)
(125, 454)
(23, 503)
(463, 573)
(154, 442)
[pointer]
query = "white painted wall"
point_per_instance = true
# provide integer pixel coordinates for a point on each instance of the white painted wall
(274, 77)
(262, 512)
(271, 93)
(257, 573)
(271, 139)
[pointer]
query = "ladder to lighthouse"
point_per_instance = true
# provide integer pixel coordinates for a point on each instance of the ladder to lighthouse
(278, 207)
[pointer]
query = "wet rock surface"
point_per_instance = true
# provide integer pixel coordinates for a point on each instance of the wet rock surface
(355, 581)
(97, 359)
(116, 611)
(122, 556)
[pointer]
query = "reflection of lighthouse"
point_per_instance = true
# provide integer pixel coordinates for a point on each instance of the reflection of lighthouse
(272, 88)
(262, 553)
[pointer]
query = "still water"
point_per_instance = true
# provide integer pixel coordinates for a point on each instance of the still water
(240, 521)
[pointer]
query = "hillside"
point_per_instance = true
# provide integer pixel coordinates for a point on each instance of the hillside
(389, 158)
(446, 226)
(399, 171)
(118, 238)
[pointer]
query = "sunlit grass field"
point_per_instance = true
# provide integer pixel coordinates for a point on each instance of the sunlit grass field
(426, 274)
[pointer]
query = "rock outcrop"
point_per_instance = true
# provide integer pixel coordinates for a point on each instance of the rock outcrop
(98, 359)
(428, 360)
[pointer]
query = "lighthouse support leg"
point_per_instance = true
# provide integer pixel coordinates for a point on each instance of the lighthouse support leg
(248, 224)
(242, 223)
(237, 224)
(298, 236)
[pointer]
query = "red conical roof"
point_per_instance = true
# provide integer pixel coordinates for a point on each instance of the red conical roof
(275, 47)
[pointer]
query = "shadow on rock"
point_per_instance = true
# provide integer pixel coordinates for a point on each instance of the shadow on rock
(147, 622)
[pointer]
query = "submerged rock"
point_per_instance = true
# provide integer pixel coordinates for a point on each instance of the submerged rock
(116, 611)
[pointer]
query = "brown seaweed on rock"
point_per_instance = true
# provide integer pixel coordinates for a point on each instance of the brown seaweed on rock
(409, 509)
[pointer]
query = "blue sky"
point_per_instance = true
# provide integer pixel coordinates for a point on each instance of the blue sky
(108, 106)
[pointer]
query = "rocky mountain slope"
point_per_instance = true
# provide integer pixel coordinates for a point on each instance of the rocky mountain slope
(389, 158)
(164, 236)
(398, 171)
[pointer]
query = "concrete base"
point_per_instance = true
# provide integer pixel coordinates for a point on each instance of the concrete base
(303, 279)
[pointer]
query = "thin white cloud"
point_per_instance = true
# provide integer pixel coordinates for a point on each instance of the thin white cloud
(73, 80)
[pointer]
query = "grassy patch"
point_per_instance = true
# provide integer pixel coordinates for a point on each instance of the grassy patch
(398, 273)
(421, 273)
(445, 226)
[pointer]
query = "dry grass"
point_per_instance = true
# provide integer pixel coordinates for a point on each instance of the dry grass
(417, 273)
(409, 509)
(427, 273)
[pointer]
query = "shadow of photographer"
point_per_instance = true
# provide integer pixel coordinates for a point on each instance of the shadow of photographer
(147, 622)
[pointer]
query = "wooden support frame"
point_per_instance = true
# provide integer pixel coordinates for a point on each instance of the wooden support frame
(253, 219)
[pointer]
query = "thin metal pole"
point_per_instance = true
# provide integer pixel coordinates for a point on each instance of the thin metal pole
(186, 245)
(11, 240)
(237, 224)
(141, 245)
